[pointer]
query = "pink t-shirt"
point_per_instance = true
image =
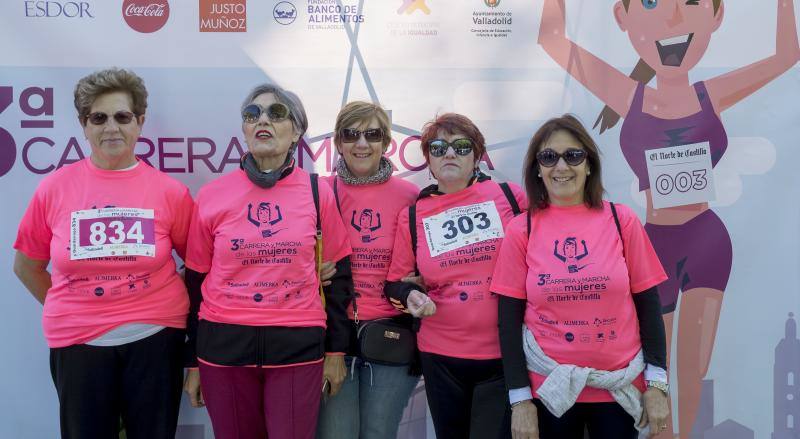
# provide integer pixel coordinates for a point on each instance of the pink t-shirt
(369, 213)
(578, 285)
(109, 236)
(465, 323)
(257, 246)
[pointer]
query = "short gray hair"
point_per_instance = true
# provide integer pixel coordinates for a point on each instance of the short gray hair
(297, 113)
(94, 85)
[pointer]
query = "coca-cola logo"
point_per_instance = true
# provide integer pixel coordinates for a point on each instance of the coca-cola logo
(145, 16)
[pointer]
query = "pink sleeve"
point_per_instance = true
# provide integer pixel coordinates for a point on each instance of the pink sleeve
(644, 268)
(34, 234)
(181, 221)
(403, 260)
(335, 242)
(511, 269)
(200, 243)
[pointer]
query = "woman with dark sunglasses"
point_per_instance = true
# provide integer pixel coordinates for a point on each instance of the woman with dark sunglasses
(368, 403)
(454, 239)
(591, 322)
(265, 333)
(114, 306)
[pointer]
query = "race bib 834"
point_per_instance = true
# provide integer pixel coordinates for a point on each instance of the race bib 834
(112, 231)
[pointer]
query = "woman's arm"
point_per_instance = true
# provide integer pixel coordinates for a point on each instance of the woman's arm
(338, 296)
(610, 85)
(728, 89)
(510, 316)
(33, 274)
(651, 328)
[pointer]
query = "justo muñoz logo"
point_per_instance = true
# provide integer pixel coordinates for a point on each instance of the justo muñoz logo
(145, 16)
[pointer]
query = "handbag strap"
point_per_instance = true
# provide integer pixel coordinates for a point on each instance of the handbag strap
(339, 208)
(318, 235)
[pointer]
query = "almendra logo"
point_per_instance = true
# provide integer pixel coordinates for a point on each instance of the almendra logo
(409, 6)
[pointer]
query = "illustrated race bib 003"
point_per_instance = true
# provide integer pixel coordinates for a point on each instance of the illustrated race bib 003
(461, 226)
(112, 231)
(680, 175)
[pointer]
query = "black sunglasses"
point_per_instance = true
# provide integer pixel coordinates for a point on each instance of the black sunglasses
(100, 118)
(549, 158)
(351, 135)
(438, 147)
(275, 112)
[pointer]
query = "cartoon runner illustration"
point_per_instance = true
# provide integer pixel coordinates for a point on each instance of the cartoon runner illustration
(365, 224)
(264, 214)
(570, 249)
(671, 37)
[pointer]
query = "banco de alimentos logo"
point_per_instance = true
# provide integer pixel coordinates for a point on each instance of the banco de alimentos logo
(284, 13)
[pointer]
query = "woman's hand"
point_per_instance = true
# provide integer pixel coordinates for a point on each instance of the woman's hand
(326, 272)
(524, 423)
(414, 279)
(191, 385)
(420, 305)
(656, 411)
(334, 372)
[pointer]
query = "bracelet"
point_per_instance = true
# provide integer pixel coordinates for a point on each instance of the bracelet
(514, 404)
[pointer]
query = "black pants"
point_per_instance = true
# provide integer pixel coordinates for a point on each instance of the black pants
(601, 419)
(467, 398)
(140, 382)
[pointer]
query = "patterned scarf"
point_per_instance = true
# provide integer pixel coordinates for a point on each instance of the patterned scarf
(381, 176)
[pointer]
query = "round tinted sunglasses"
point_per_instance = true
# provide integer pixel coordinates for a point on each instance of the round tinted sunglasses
(549, 158)
(351, 135)
(100, 118)
(438, 147)
(275, 112)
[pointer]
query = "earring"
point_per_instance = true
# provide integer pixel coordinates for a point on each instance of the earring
(588, 172)
(539, 175)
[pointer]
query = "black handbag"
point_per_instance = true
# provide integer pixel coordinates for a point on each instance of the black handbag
(389, 341)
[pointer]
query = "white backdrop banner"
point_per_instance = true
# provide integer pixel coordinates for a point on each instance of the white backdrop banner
(734, 341)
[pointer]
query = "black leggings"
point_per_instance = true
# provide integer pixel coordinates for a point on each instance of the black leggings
(603, 420)
(467, 398)
(139, 382)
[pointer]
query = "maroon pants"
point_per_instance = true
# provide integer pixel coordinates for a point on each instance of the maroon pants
(255, 403)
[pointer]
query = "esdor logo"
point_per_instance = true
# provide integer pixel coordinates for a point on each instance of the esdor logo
(145, 16)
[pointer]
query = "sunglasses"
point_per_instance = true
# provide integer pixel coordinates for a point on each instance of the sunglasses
(275, 112)
(100, 118)
(439, 147)
(351, 135)
(549, 158)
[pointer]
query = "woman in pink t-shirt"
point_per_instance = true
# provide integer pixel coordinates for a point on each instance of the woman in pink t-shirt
(581, 274)
(369, 404)
(265, 337)
(454, 238)
(114, 306)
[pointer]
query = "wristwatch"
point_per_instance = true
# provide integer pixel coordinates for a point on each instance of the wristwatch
(660, 385)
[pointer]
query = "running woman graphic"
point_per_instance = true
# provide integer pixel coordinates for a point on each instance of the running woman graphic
(365, 226)
(570, 255)
(264, 214)
(671, 37)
